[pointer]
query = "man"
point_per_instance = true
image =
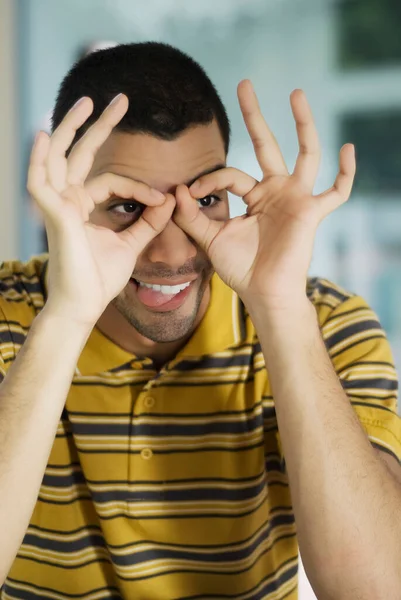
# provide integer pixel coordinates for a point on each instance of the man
(160, 400)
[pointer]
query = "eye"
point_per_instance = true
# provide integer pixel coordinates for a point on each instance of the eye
(127, 209)
(208, 201)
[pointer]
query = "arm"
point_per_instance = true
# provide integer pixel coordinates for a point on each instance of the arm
(88, 267)
(345, 503)
(32, 397)
(345, 497)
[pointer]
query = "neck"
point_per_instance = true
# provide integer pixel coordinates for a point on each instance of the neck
(114, 326)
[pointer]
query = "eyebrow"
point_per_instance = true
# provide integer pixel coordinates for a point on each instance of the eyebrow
(206, 172)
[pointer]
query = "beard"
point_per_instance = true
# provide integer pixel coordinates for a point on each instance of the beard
(169, 326)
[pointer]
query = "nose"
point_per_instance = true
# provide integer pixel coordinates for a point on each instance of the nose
(172, 247)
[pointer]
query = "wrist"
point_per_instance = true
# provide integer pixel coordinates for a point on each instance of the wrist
(280, 312)
(65, 322)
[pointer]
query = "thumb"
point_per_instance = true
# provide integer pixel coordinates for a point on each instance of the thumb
(190, 218)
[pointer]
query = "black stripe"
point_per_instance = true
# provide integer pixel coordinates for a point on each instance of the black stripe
(363, 341)
(42, 278)
(79, 498)
(213, 362)
(106, 384)
(180, 495)
(386, 450)
(16, 274)
(213, 382)
(61, 481)
(377, 383)
(317, 285)
(17, 338)
(336, 315)
(267, 589)
(167, 429)
(6, 337)
(368, 363)
(67, 531)
(173, 571)
(205, 546)
(276, 509)
(64, 466)
(214, 573)
(22, 287)
(351, 330)
(242, 316)
(25, 595)
(16, 323)
(91, 540)
(25, 300)
(162, 551)
(371, 405)
(67, 480)
(176, 451)
(197, 516)
(200, 415)
(232, 556)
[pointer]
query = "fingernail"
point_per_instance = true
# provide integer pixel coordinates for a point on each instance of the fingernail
(78, 102)
(115, 99)
(156, 194)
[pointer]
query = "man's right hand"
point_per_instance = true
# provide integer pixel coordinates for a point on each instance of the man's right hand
(89, 265)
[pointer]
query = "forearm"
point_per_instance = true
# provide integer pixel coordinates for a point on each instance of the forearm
(345, 501)
(32, 397)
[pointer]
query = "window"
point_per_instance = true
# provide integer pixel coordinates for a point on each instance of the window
(376, 136)
(369, 32)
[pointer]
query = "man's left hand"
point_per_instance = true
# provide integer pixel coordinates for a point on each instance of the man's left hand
(265, 254)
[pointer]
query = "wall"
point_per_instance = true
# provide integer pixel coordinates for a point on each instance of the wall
(9, 163)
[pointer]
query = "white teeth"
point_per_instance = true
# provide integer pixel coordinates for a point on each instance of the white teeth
(169, 290)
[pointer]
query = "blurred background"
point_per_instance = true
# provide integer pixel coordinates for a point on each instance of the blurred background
(346, 55)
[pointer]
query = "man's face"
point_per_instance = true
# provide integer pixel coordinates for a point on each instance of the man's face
(172, 258)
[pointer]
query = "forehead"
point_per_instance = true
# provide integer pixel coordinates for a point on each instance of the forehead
(159, 163)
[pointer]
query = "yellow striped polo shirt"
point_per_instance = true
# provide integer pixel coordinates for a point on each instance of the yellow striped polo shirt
(171, 484)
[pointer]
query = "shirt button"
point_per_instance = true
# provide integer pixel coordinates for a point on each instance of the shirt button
(146, 453)
(149, 402)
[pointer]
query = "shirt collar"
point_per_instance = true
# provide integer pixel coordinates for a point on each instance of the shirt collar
(220, 328)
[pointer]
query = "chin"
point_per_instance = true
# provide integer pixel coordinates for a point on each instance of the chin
(163, 327)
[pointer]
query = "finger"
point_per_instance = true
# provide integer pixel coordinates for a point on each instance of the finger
(266, 148)
(62, 139)
(37, 163)
(307, 165)
(235, 181)
(37, 179)
(342, 187)
(81, 158)
(193, 221)
(151, 222)
(106, 185)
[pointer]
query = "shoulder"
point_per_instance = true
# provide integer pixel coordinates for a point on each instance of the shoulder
(22, 288)
(326, 295)
(331, 301)
(350, 327)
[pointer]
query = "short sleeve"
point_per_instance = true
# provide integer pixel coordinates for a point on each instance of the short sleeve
(7, 351)
(363, 360)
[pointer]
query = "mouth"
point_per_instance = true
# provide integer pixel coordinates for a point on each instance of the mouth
(161, 297)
